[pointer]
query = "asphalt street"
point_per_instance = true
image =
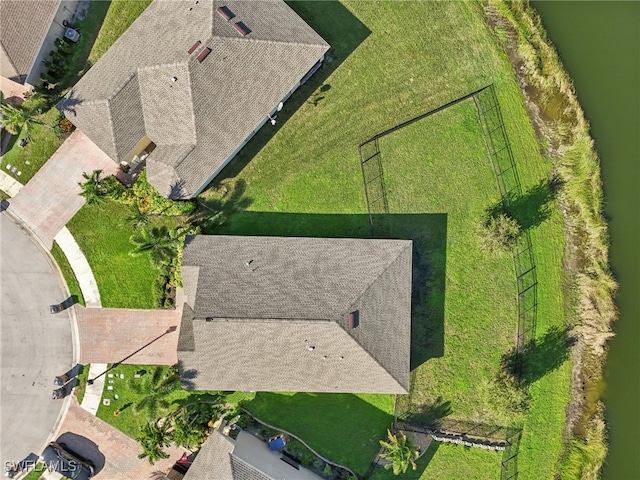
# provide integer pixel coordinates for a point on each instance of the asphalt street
(35, 345)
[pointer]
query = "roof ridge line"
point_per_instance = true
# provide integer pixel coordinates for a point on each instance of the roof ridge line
(395, 259)
(277, 319)
(366, 350)
(263, 40)
(367, 288)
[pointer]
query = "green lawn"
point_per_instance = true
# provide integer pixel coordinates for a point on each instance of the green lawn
(304, 179)
(28, 159)
(347, 434)
(67, 273)
(103, 235)
(129, 421)
(344, 428)
(390, 62)
(120, 14)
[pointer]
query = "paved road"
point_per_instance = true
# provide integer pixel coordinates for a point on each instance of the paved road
(35, 346)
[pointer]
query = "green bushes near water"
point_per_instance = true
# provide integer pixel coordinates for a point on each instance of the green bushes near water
(564, 132)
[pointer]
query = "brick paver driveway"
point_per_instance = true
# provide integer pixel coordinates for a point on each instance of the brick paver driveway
(114, 454)
(51, 199)
(107, 335)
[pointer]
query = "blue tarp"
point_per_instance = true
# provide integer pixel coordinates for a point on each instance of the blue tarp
(276, 443)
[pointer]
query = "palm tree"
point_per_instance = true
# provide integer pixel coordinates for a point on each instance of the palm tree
(93, 188)
(400, 451)
(16, 118)
(154, 390)
(153, 438)
(138, 218)
(160, 243)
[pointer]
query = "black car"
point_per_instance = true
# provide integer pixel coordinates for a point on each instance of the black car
(67, 463)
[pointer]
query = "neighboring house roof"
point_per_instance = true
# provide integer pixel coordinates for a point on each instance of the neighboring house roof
(201, 118)
(247, 458)
(23, 26)
(272, 314)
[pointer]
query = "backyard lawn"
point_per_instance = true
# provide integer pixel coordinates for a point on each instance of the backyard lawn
(389, 62)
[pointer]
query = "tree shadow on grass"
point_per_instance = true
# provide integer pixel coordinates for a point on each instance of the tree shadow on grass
(538, 358)
(217, 204)
(530, 209)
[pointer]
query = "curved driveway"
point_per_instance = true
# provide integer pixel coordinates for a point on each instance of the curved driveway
(35, 346)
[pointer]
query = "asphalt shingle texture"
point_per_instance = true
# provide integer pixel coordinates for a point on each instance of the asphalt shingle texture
(203, 110)
(271, 314)
(23, 26)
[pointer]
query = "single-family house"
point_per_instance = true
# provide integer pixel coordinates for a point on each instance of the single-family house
(189, 83)
(245, 458)
(296, 314)
(28, 30)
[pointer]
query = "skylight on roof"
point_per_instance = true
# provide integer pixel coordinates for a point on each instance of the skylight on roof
(242, 29)
(225, 13)
(193, 47)
(204, 54)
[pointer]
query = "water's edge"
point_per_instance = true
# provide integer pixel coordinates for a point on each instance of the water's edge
(564, 138)
(599, 44)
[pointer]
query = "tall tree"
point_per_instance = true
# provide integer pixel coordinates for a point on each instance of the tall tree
(153, 390)
(159, 242)
(17, 118)
(400, 451)
(153, 438)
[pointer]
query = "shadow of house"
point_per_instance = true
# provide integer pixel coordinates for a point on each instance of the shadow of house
(84, 447)
(344, 32)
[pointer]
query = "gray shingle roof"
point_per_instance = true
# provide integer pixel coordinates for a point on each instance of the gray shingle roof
(247, 458)
(278, 312)
(212, 106)
(213, 459)
(23, 26)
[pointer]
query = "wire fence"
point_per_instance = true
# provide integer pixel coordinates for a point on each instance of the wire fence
(504, 167)
(373, 178)
(408, 416)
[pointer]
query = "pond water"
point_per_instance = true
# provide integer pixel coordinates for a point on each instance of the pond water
(599, 43)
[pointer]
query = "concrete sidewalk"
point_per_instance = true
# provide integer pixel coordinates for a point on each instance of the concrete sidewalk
(9, 185)
(80, 267)
(93, 393)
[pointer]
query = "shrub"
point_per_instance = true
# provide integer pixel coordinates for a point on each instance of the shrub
(499, 233)
(151, 201)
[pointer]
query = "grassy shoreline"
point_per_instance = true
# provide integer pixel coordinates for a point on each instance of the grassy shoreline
(564, 134)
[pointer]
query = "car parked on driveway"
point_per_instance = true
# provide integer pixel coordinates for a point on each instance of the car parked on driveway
(59, 457)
